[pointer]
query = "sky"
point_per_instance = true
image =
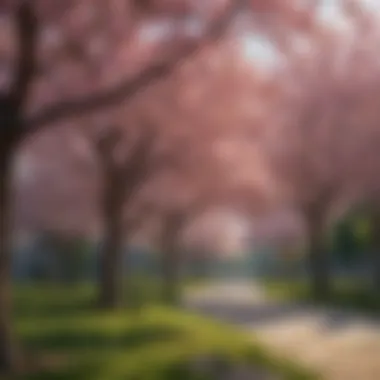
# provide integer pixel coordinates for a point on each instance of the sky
(259, 49)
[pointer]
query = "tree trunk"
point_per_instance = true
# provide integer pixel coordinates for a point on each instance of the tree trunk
(376, 273)
(319, 263)
(8, 354)
(376, 252)
(171, 281)
(171, 258)
(111, 256)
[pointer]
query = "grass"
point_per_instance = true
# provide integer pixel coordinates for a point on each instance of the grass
(67, 339)
(347, 294)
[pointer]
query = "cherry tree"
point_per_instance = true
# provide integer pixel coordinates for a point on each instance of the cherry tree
(71, 59)
(326, 129)
(124, 166)
(82, 57)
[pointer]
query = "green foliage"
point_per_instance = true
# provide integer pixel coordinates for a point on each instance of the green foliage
(68, 339)
(363, 230)
(351, 237)
(73, 257)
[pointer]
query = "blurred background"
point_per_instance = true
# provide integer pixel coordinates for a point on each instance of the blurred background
(189, 189)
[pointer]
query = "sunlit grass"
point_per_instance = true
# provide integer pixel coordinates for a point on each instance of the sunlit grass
(66, 338)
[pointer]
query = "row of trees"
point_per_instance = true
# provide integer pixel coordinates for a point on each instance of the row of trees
(64, 62)
(324, 144)
(82, 63)
(150, 155)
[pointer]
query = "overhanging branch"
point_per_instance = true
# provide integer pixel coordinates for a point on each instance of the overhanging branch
(26, 27)
(129, 88)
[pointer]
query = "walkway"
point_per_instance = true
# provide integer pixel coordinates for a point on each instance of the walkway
(339, 345)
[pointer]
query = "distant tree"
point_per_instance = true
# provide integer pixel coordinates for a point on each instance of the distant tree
(344, 242)
(375, 248)
(124, 168)
(325, 142)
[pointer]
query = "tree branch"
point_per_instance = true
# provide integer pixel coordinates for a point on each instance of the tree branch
(26, 25)
(105, 144)
(129, 88)
(138, 165)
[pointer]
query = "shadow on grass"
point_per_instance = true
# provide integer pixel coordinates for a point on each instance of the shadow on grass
(348, 295)
(56, 300)
(178, 371)
(96, 339)
(52, 300)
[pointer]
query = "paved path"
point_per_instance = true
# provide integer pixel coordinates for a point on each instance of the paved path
(341, 346)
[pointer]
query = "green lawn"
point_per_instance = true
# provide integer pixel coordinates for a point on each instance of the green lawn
(347, 294)
(66, 339)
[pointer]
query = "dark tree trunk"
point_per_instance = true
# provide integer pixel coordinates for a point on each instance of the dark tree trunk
(319, 260)
(171, 280)
(376, 252)
(8, 354)
(376, 273)
(171, 258)
(111, 254)
(12, 105)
